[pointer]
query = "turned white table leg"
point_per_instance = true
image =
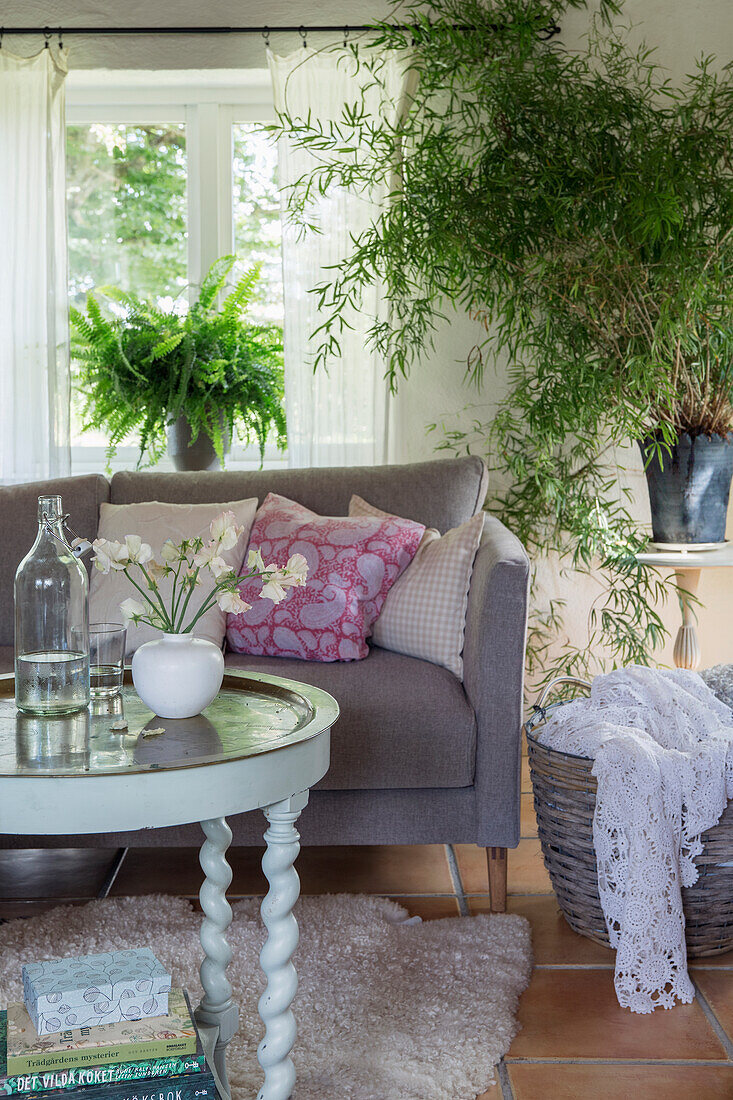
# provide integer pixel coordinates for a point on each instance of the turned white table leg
(687, 652)
(283, 845)
(217, 1008)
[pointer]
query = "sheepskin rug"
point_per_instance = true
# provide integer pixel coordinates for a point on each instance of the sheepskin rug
(387, 1009)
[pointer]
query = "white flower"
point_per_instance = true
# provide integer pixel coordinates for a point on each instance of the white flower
(156, 570)
(278, 580)
(210, 557)
(255, 561)
(138, 551)
(273, 588)
(170, 551)
(232, 602)
(295, 571)
(131, 610)
(224, 530)
(220, 568)
(109, 555)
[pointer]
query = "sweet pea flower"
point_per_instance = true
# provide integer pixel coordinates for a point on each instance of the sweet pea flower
(110, 555)
(232, 603)
(220, 568)
(273, 589)
(131, 610)
(138, 551)
(209, 556)
(170, 551)
(255, 560)
(224, 531)
(296, 571)
(278, 580)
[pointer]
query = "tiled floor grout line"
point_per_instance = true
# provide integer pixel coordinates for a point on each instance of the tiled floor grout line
(713, 1020)
(507, 1092)
(455, 874)
(573, 966)
(716, 1063)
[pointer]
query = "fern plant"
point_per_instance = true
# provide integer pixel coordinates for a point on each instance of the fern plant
(139, 367)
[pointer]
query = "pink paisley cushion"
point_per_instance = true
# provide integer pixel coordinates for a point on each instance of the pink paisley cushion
(353, 561)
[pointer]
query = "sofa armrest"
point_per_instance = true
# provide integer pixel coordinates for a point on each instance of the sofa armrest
(493, 678)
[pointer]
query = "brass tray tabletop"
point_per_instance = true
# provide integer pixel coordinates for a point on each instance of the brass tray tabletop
(253, 714)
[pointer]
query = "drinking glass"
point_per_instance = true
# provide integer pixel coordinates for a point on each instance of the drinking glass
(106, 658)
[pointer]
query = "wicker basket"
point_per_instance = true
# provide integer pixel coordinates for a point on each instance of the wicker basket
(564, 800)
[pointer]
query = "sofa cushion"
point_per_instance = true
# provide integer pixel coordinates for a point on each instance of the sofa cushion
(81, 498)
(404, 722)
(352, 563)
(440, 494)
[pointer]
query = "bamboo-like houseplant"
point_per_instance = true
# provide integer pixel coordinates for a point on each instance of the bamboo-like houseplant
(202, 374)
(581, 208)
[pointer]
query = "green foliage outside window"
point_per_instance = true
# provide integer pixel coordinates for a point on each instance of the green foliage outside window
(126, 199)
(581, 208)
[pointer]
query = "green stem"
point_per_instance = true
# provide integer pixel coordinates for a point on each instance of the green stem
(177, 625)
(176, 599)
(206, 606)
(146, 597)
(157, 594)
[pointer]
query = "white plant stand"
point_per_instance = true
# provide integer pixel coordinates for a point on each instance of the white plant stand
(260, 745)
(687, 565)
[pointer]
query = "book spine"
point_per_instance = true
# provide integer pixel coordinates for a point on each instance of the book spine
(77, 1058)
(196, 1086)
(116, 1073)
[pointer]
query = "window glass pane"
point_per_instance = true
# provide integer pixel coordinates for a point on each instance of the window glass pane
(126, 193)
(126, 199)
(257, 236)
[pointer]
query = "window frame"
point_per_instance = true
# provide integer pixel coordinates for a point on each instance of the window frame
(209, 103)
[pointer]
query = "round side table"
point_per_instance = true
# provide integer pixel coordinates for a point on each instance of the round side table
(262, 744)
(687, 565)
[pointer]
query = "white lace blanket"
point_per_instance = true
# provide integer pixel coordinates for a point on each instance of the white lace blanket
(661, 742)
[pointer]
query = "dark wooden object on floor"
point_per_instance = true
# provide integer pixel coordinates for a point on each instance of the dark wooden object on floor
(496, 858)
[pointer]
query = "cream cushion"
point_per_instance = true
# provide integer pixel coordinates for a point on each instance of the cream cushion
(155, 522)
(424, 614)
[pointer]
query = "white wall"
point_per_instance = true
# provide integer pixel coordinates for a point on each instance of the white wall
(179, 52)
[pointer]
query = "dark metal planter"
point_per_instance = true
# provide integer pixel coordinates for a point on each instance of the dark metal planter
(187, 456)
(689, 491)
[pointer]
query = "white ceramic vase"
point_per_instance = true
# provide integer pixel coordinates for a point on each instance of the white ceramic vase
(177, 675)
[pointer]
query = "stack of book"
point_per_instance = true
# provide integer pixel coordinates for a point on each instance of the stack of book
(150, 1058)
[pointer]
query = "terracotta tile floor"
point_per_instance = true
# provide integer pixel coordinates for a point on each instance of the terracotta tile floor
(575, 1042)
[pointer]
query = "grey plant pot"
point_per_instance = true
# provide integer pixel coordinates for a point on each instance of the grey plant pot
(197, 456)
(689, 492)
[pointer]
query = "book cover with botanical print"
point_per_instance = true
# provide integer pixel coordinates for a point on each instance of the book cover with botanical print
(125, 1041)
(85, 1077)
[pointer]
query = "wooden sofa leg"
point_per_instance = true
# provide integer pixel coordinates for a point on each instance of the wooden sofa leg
(496, 858)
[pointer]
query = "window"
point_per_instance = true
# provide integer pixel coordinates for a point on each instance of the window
(166, 172)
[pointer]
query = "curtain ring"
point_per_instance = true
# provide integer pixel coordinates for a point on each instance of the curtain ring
(346, 36)
(47, 36)
(61, 39)
(304, 35)
(266, 36)
(2, 33)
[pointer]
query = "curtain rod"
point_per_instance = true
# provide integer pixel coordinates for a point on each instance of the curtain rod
(265, 32)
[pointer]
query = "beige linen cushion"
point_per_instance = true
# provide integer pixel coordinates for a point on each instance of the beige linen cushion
(424, 614)
(155, 522)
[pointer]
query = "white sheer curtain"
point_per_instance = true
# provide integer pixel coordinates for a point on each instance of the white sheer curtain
(34, 352)
(339, 417)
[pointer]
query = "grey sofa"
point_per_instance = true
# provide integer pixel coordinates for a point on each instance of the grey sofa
(418, 756)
